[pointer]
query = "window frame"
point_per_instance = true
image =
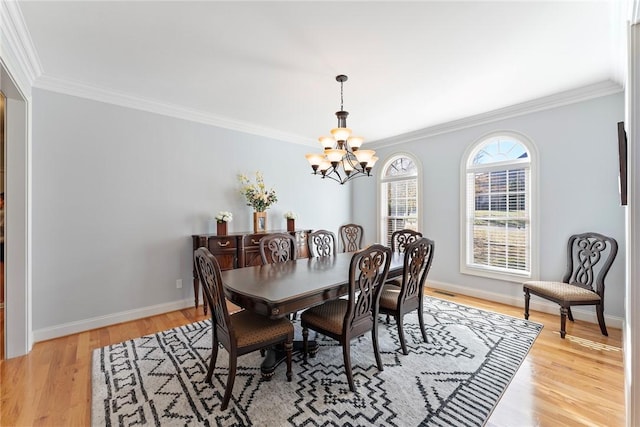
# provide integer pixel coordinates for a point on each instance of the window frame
(467, 267)
(382, 180)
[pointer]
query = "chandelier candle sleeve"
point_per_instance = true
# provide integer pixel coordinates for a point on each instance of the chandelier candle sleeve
(342, 158)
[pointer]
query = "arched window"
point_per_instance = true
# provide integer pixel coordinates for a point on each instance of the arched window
(497, 213)
(398, 196)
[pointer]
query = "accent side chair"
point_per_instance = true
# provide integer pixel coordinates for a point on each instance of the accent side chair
(344, 319)
(409, 296)
(589, 258)
(240, 333)
(351, 236)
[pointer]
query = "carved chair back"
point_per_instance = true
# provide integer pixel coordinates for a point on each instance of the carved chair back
(351, 236)
(321, 243)
(400, 239)
(589, 258)
(278, 247)
(367, 273)
(209, 274)
(417, 263)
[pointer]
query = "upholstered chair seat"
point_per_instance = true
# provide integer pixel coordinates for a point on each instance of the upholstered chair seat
(328, 316)
(251, 328)
(563, 292)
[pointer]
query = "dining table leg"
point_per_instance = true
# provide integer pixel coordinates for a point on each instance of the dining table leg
(276, 355)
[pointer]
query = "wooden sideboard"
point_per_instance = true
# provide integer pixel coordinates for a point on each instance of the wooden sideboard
(236, 250)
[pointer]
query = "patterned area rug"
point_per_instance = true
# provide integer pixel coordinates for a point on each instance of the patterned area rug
(456, 378)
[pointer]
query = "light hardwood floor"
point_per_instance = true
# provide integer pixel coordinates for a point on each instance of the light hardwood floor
(577, 381)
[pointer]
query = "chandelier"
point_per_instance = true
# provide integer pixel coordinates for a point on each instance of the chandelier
(342, 159)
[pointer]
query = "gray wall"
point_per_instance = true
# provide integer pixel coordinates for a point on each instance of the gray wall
(578, 191)
(118, 192)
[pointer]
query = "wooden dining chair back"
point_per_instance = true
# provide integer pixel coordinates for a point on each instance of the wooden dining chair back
(240, 333)
(400, 239)
(351, 236)
(278, 247)
(321, 243)
(398, 301)
(589, 258)
(344, 319)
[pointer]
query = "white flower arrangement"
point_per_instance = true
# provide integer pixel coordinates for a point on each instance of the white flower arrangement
(290, 215)
(224, 216)
(256, 193)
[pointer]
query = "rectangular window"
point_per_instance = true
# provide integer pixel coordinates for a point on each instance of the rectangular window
(498, 220)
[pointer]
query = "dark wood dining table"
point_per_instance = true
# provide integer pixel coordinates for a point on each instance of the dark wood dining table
(277, 290)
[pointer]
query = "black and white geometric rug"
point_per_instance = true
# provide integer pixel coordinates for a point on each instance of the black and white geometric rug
(455, 379)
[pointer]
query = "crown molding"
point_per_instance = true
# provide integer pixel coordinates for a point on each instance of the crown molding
(122, 99)
(552, 101)
(16, 47)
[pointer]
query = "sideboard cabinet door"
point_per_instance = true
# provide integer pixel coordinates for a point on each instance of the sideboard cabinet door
(251, 249)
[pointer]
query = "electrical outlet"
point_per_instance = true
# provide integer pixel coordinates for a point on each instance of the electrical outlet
(179, 284)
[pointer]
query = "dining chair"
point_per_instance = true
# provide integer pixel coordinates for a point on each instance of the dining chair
(397, 301)
(278, 247)
(321, 243)
(589, 258)
(239, 333)
(349, 318)
(351, 236)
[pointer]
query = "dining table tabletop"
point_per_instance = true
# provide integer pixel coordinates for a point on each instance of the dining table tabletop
(276, 290)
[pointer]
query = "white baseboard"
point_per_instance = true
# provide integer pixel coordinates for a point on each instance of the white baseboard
(536, 304)
(126, 316)
(111, 319)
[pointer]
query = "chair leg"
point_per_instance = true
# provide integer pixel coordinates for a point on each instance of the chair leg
(346, 348)
(403, 344)
(600, 313)
(387, 318)
(376, 348)
(288, 348)
(422, 329)
(421, 320)
(563, 321)
(233, 362)
(305, 343)
(212, 362)
(570, 314)
(527, 297)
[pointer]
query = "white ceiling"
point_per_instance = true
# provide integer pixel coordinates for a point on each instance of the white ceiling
(270, 67)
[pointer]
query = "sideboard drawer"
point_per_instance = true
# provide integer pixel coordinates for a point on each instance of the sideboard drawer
(220, 243)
